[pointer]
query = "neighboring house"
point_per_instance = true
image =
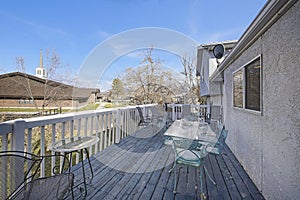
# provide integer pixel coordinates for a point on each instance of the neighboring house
(207, 64)
(24, 90)
(260, 96)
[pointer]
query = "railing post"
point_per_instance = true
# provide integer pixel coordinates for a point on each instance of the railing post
(173, 112)
(17, 144)
(18, 135)
(208, 110)
(118, 125)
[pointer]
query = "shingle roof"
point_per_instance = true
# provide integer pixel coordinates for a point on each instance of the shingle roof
(19, 85)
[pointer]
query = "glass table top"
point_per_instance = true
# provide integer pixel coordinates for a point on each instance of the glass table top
(74, 143)
(194, 130)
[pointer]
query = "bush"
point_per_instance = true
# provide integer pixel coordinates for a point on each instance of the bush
(108, 105)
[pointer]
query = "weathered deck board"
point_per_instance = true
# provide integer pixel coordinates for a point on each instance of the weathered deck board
(137, 168)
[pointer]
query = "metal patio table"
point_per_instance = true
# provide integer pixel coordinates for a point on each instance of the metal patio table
(194, 137)
(77, 144)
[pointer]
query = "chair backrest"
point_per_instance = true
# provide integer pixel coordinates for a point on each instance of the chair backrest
(16, 168)
(54, 187)
(157, 112)
(183, 144)
(142, 119)
(215, 112)
(221, 140)
(19, 169)
(223, 136)
(219, 127)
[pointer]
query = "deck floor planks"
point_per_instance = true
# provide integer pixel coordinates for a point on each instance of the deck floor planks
(220, 184)
(141, 165)
(129, 162)
(234, 175)
(192, 183)
(142, 183)
(143, 179)
(181, 180)
(155, 177)
(230, 184)
(212, 192)
(248, 183)
(163, 179)
(110, 157)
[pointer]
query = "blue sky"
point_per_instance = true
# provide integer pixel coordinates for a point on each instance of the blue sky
(75, 28)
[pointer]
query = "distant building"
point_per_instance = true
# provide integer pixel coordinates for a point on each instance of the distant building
(207, 64)
(24, 90)
(40, 71)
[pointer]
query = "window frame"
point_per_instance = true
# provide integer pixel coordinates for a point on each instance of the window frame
(243, 68)
(243, 97)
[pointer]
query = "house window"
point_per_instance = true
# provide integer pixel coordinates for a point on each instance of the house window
(238, 89)
(25, 101)
(247, 86)
(252, 92)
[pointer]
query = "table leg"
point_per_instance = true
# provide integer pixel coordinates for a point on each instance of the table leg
(83, 169)
(64, 161)
(88, 157)
(70, 164)
(83, 172)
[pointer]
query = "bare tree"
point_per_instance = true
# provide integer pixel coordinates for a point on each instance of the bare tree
(192, 82)
(26, 85)
(52, 91)
(117, 88)
(149, 83)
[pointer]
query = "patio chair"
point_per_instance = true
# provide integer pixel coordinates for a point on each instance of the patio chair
(158, 116)
(215, 114)
(191, 153)
(218, 148)
(19, 173)
(143, 120)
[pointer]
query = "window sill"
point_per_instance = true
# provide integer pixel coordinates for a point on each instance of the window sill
(254, 112)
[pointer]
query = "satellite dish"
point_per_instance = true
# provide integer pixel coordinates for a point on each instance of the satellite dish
(219, 51)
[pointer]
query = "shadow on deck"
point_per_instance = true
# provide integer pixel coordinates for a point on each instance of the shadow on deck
(137, 168)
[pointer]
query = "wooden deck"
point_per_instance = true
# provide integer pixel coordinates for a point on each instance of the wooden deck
(137, 168)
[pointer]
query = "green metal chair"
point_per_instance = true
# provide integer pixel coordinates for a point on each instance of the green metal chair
(189, 152)
(218, 147)
(19, 177)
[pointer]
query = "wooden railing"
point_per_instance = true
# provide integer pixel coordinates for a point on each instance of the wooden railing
(178, 111)
(34, 135)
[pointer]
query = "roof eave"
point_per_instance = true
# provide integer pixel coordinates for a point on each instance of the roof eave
(268, 15)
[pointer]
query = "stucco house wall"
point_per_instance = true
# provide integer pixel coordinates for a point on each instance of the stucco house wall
(268, 143)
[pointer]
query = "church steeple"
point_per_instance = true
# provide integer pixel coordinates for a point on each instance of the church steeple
(41, 59)
(40, 71)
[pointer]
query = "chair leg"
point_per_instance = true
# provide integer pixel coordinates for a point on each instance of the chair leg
(172, 167)
(91, 169)
(202, 194)
(206, 172)
(175, 181)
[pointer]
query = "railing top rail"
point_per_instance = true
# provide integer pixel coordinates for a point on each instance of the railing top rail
(6, 127)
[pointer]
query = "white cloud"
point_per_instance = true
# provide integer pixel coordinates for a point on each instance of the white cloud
(102, 35)
(39, 28)
(105, 85)
(230, 34)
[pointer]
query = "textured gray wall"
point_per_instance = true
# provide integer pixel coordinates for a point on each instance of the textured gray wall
(268, 145)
